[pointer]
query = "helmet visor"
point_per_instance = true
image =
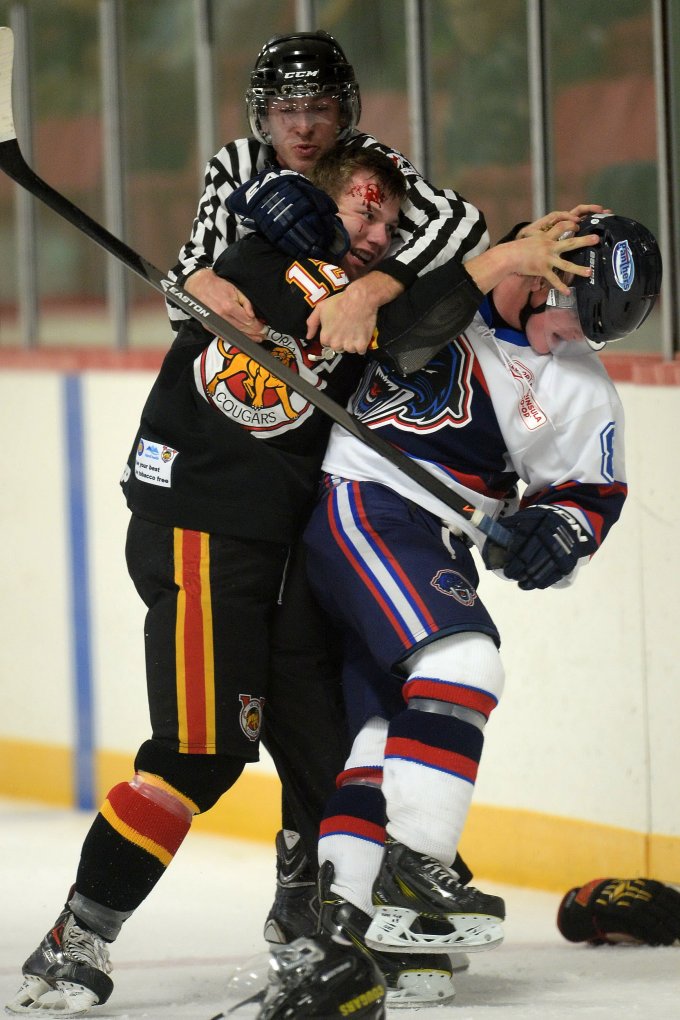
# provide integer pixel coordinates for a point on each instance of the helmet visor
(292, 111)
(559, 324)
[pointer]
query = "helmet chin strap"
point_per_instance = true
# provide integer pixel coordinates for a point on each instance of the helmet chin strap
(528, 310)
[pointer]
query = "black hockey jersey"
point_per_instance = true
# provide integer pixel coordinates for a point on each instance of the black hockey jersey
(222, 445)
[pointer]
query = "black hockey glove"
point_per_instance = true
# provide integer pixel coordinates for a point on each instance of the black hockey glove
(621, 910)
(292, 214)
(545, 547)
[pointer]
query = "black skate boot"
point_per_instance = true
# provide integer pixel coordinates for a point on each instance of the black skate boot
(295, 910)
(67, 974)
(411, 981)
(423, 908)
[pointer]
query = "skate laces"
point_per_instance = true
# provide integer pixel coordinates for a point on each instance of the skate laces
(84, 946)
(451, 878)
(433, 867)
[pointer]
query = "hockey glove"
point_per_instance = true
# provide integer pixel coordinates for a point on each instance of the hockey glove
(545, 547)
(621, 910)
(292, 214)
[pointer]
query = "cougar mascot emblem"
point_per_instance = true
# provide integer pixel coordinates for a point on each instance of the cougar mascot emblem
(257, 379)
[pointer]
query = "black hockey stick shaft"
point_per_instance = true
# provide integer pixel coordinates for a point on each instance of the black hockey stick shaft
(15, 166)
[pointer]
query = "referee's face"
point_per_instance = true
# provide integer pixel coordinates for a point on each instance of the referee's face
(370, 216)
(302, 129)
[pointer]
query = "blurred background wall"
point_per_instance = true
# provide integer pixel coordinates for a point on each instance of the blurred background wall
(521, 105)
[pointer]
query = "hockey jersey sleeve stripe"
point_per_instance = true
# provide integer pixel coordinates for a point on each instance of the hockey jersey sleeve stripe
(599, 506)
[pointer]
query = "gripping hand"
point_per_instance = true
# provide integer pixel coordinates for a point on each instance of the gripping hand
(621, 909)
(292, 214)
(545, 547)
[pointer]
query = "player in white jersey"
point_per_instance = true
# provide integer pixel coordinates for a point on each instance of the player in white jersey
(518, 397)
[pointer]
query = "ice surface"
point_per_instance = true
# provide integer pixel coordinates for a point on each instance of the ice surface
(203, 922)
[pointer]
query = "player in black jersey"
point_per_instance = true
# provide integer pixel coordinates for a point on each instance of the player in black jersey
(221, 475)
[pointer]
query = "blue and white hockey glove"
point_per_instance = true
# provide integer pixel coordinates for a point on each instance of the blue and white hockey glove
(292, 214)
(545, 547)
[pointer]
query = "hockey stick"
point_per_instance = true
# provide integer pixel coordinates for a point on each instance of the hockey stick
(15, 166)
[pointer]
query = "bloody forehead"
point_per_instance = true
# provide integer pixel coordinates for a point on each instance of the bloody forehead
(368, 192)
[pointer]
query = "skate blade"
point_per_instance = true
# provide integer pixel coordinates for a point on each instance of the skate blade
(419, 988)
(390, 931)
(459, 962)
(37, 998)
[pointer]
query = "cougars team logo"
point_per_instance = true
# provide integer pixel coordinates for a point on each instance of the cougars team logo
(242, 379)
(250, 394)
(439, 395)
(454, 585)
(251, 715)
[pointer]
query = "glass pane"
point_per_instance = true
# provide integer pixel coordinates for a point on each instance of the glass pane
(604, 116)
(241, 30)
(159, 130)
(9, 243)
(373, 37)
(480, 106)
(675, 238)
(68, 153)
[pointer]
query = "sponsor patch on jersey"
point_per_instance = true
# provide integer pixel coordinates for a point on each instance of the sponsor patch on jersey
(250, 716)
(154, 462)
(623, 265)
(455, 586)
(531, 412)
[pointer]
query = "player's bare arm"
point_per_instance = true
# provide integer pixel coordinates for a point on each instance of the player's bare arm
(535, 254)
(347, 320)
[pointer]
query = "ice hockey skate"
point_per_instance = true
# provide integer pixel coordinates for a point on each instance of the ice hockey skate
(66, 975)
(295, 910)
(411, 981)
(423, 908)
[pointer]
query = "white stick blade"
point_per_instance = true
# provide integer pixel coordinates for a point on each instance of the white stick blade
(6, 59)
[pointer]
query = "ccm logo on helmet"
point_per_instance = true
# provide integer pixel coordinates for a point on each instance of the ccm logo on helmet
(623, 265)
(300, 74)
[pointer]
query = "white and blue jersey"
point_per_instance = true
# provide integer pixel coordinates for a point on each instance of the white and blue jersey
(488, 413)
(390, 561)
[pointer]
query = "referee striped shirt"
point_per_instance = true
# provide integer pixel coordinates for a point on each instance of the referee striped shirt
(436, 224)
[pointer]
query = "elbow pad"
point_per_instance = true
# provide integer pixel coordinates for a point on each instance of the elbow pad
(415, 327)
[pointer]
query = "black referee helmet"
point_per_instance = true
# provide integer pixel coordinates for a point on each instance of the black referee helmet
(304, 64)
